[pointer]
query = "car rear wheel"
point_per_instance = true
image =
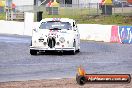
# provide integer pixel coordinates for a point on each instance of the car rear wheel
(33, 52)
(78, 51)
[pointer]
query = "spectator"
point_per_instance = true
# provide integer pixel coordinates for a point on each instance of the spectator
(13, 7)
(2, 4)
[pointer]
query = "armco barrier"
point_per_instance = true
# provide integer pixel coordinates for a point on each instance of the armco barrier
(94, 32)
(125, 33)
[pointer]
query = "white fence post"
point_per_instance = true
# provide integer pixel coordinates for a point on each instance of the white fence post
(28, 23)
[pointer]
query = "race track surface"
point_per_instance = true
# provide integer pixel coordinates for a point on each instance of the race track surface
(16, 64)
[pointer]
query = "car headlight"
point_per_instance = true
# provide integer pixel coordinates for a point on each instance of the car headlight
(62, 39)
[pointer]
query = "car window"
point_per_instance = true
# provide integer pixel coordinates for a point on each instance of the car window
(57, 24)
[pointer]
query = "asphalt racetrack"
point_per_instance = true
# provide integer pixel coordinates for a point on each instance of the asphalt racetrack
(16, 64)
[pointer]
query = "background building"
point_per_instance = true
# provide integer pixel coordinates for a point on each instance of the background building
(69, 1)
(23, 2)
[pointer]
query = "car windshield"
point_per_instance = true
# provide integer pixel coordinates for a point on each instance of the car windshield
(55, 25)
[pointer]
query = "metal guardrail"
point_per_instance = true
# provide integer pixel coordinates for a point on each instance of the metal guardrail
(15, 16)
(72, 10)
(89, 8)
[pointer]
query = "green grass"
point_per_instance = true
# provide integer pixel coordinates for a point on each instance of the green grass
(90, 17)
(74, 13)
(2, 16)
(113, 19)
(97, 19)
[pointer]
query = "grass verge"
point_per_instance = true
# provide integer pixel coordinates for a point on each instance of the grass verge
(2, 16)
(84, 18)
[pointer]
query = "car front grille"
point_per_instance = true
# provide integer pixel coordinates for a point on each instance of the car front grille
(51, 42)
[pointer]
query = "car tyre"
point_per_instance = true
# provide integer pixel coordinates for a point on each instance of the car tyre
(74, 51)
(81, 80)
(78, 51)
(33, 52)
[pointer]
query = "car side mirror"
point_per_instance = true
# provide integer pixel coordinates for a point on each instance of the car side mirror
(35, 30)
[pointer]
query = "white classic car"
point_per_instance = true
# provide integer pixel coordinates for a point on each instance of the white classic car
(55, 34)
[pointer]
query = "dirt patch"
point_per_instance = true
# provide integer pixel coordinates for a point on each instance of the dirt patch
(59, 83)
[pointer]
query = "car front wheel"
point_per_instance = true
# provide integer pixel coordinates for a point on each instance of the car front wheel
(74, 45)
(33, 52)
(72, 52)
